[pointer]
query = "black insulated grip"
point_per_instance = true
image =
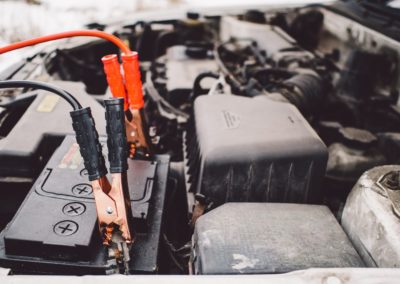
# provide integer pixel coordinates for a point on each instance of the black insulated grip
(88, 141)
(116, 141)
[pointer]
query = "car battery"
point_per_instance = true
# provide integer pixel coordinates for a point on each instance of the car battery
(32, 126)
(55, 230)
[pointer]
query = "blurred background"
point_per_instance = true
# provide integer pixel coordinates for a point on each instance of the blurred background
(24, 19)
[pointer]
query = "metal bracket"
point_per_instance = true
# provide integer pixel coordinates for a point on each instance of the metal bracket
(390, 183)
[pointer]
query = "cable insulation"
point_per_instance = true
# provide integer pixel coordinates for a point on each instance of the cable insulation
(91, 33)
(42, 86)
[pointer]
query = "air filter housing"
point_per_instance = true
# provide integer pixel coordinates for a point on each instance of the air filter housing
(253, 149)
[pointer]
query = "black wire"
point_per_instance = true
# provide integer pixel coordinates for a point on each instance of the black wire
(197, 89)
(42, 86)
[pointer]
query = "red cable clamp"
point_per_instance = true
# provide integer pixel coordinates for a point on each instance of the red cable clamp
(112, 69)
(133, 82)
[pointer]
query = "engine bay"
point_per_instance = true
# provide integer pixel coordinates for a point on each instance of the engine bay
(270, 144)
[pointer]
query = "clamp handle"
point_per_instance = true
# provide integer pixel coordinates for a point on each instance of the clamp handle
(112, 69)
(88, 141)
(133, 82)
(116, 135)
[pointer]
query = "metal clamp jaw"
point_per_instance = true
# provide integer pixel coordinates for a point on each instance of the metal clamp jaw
(111, 207)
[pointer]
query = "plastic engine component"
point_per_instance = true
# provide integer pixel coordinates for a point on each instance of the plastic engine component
(305, 91)
(246, 238)
(253, 149)
(42, 127)
(369, 219)
(269, 38)
(181, 71)
(55, 230)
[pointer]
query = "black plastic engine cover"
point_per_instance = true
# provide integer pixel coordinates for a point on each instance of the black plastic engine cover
(42, 127)
(178, 71)
(55, 230)
(247, 238)
(253, 149)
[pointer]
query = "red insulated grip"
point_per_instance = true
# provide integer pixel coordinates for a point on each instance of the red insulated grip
(112, 69)
(133, 82)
